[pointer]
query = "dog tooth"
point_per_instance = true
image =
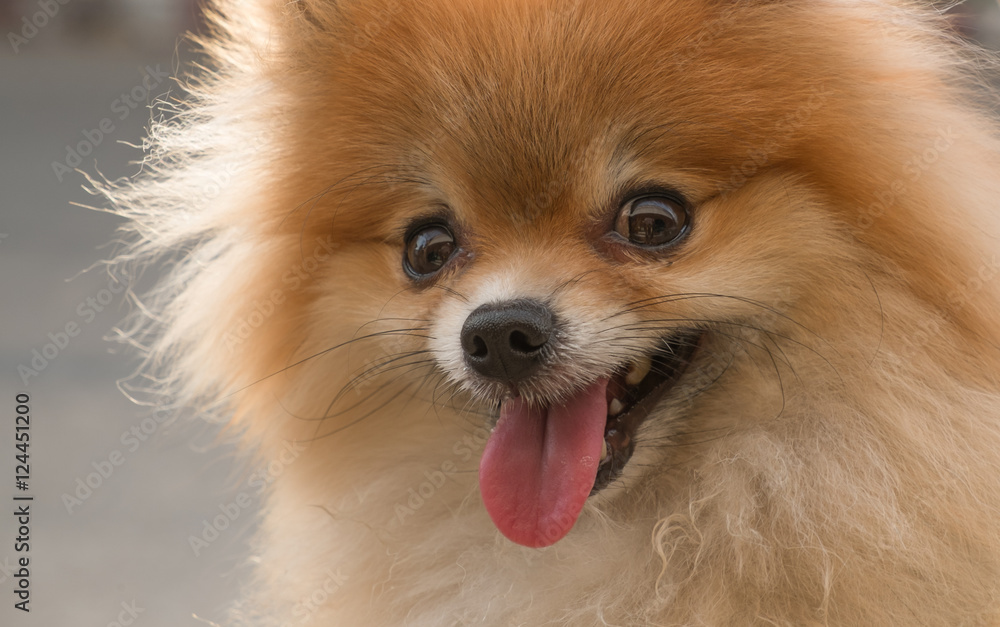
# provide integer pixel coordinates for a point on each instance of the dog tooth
(604, 450)
(615, 407)
(638, 370)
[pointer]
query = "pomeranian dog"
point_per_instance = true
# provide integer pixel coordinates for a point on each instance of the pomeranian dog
(575, 312)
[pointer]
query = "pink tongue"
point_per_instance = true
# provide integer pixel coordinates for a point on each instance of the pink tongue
(539, 465)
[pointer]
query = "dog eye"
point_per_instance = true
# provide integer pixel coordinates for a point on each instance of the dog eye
(428, 249)
(652, 221)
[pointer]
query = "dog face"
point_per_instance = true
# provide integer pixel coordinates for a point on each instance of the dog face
(571, 240)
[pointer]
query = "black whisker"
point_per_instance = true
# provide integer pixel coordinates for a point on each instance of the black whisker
(357, 420)
(328, 350)
(670, 298)
(569, 282)
(374, 371)
(453, 292)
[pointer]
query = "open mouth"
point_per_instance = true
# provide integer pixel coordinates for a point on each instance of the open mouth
(542, 463)
(632, 393)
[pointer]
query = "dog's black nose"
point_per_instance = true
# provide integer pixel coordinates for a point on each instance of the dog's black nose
(505, 341)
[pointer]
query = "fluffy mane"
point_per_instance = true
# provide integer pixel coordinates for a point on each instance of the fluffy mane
(852, 468)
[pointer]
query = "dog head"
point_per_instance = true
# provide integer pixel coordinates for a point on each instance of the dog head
(604, 232)
(580, 236)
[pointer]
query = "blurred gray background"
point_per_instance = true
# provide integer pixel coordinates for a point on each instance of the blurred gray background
(119, 553)
(128, 540)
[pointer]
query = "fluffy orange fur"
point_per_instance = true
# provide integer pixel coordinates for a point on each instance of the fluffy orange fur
(832, 457)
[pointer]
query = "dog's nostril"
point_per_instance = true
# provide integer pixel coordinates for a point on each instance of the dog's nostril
(479, 348)
(520, 341)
